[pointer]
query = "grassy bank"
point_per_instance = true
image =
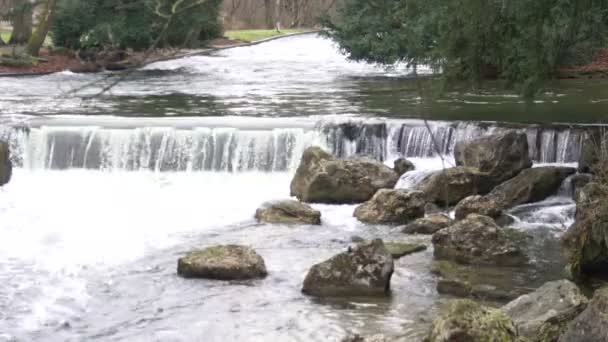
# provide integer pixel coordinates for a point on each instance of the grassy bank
(254, 35)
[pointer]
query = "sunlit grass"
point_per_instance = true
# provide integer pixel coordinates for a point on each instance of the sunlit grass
(254, 35)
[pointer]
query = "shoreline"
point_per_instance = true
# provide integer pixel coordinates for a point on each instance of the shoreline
(65, 63)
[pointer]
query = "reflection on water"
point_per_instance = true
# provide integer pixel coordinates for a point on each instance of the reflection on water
(297, 76)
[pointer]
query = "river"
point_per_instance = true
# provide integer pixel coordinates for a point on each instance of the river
(109, 191)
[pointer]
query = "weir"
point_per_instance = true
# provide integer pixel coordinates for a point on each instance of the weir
(249, 146)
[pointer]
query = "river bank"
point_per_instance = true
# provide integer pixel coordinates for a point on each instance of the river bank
(58, 60)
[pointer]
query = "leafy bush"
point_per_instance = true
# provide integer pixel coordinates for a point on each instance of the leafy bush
(85, 24)
(521, 41)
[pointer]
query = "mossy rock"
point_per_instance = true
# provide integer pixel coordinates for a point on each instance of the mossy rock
(288, 212)
(226, 262)
(401, 249)
(465, 320)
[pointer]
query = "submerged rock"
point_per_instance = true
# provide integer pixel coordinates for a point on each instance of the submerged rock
(288, 212)
(450, 186)
(542, 315)
(586, 241)
(401, 249)
(464, 320)
(592, 324)
(363, 270)
(477, 205)
(321, 178)
(226, 262)
(479, 240)
(6, 166)
(402, 166)
(428, 225)
(392, 207)
(502, 156)
(480, 282)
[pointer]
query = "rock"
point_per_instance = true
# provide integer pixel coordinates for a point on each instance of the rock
(363, 270)
(118, 66)
(227, 262)
(321, 178)
(464, 320)
(477, 205)
(586, 241)
(578, 181)
(480, 282)
(531, 185)
(392, 207)
(428, 225)
(288, 212)
(593, 144)
(592, 324)
(6, 166)
(402, 166)
(450, 186)
(85, 68)
(401, 249)
(502, 156)
(359, 338)
(542, 315)
(432, 208)
(479, 240)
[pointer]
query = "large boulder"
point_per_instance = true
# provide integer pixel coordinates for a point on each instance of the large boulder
(288, 212)
(586, 241)
(428, 225)
(478, 240)
(502, 156)
(477, 205)
(226, 262)
(592, 324)
(530, 185)
(450, 186)
(321, 178)
(464, 320)
(362, 270)
(543, 315)
(392, 207)
(402, 166)
(6, 166)
(593, 150)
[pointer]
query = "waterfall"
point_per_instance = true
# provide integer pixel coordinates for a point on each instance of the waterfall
(260, 148)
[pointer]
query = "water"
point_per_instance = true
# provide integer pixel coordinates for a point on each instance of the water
(108, 193)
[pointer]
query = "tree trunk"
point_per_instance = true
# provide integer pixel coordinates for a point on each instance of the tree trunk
(22, 11)
(268, 8)
(277, 15)
(46, 19)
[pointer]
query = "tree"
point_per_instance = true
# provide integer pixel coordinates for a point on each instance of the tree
(39, 35)
(521, 41)
(21, 15)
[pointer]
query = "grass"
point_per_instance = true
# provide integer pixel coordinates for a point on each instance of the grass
(254, 35)
(6, 35)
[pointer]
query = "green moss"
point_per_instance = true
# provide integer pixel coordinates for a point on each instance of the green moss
(466, 320)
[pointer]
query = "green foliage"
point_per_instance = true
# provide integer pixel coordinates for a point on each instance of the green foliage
(84, 24)
(521, 41)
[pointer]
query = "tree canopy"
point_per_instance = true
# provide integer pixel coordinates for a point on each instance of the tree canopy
(135, 23)
(521, 41)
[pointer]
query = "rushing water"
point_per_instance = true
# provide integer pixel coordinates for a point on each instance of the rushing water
(181, 154)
